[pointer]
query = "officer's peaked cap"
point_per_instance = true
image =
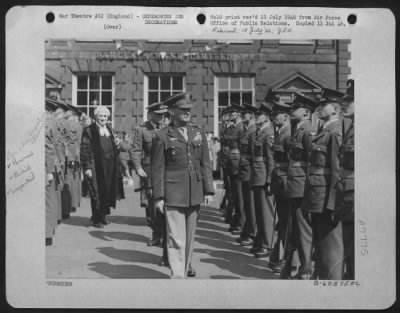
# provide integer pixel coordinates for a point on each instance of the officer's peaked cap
(181, 100)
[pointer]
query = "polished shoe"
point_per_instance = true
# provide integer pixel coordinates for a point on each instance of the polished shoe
(98, 225)
(246, 242)
(105, 222)
(154, 242)
(262, 253)
(49, 241)
(163, 262)
(191, 272)
(254, 249)
(278, 267)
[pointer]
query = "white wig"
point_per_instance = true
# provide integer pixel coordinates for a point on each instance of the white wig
(101, 110)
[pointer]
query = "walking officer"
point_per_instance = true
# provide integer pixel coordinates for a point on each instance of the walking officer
(262, 164)
(281, 120)
(345, 186)
(233, 138)
(299, 231)
(140, 155)
(182, 179)
(320, 189)
(249, 230)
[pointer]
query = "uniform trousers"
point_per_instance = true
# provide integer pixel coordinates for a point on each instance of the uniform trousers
(181, 228)
(59, 187)
(249, 229)
(72, 179)
(328, 242)
(238, 219)
(348, 242)
(51, 209)
(264, 211)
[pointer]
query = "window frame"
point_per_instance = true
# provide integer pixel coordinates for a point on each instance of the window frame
(88, 89)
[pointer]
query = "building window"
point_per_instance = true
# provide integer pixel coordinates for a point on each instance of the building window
(232, 90)
(235, 89)
(93, 89)
(160, 87)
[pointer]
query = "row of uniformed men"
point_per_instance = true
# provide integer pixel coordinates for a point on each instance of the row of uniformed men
(63, 132)
(290, 187)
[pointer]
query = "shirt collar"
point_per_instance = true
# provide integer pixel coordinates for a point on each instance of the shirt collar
(329, 122)
(299, 124)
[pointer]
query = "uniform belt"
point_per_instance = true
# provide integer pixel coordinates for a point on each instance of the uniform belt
(245, 156)
(182, 168)
(234, 151)
(298, 164)
(346, 173)
(259, 158)
(281, 165)
(320, 170)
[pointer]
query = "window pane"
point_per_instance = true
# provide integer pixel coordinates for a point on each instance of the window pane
(153, 82)
(246, 83)
(223, 98)
(235, 98)
(223, 83)
(153, 97)
(82, 82)
(165, 95)
(106, 81)
(235, 82)
(82, 98)
(106, 98)
(94, 98)
(94, 82)
(165, 82)
(247, 97)
(177, 83)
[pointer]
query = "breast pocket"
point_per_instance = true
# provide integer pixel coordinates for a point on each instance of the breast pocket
(296, 151)
(258, 148)
(319, 155)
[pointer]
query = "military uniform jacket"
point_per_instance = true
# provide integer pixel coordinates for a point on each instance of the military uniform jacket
(225, 145)
(140, 153)
(233, 138)
(299, 150)
(61, 125)
(323, 171)
(281, 158)
(261, 156)
(345, 186)
(244, 164)
(181, 170)
(73, 136)
(52, 163)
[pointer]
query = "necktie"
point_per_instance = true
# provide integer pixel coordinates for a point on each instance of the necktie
(184, 133)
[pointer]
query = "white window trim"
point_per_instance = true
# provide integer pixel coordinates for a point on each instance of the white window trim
(75, 91)
(216, 106)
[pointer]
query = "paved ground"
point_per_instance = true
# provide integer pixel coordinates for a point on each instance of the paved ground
(120, 249)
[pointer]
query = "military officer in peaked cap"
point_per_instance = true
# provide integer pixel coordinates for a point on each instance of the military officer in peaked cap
(249, 229)
(320, 189)
(345, 186)
(299, 231)
(262, 164)
(281, 120)
(233, 139)
(182, 179)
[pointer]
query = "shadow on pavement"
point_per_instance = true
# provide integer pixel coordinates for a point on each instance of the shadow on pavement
(125, 271)
(201, 224)
(127, 220)
(77, 221)
(109, 235)
(239, 264)
(214, 235)
(211, 218)
(134, 256)
(218, 244)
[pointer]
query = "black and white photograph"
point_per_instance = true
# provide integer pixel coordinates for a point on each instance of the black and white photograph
(259, 185)
(209, 153)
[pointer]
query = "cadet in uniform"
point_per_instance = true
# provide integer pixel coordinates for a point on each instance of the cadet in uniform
(140, 155)
(281, 119)
(320, 190)
(233, 138)
(299, 229)
(262, 164)
(249, 230)
(345, 186)
(182, 179)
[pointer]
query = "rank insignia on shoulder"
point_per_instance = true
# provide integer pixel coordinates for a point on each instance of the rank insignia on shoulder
(198, 137)
(172, 139)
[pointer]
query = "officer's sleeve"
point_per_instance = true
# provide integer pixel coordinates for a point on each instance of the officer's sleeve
(157, 167)
(50, 153)
(206, 168)
(136, 150)
(269, 155)
(86, 153)
(335, 142)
